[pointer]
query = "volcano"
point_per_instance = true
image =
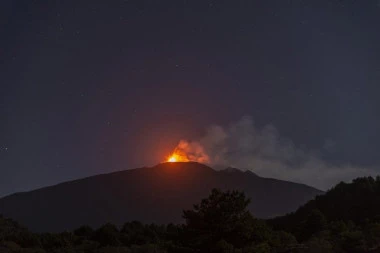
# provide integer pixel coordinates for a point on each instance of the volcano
(150, 194)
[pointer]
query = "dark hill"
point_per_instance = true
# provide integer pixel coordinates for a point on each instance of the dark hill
(157, 194)
(357, 202)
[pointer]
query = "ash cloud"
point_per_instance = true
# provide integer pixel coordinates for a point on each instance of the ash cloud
(191, 151)
(265, 152)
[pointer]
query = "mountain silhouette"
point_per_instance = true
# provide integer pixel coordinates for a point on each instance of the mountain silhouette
(151, 194)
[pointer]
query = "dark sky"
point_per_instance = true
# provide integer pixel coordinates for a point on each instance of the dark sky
(90, 87)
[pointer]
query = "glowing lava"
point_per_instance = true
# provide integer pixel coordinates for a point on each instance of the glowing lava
(172, 159)
(176, 157)
(187, 151)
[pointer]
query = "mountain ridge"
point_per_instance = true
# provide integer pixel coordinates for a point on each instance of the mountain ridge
(149, 194)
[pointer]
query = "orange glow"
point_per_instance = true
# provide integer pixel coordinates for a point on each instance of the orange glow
(172, 159)
(187, 151)
(177, 157)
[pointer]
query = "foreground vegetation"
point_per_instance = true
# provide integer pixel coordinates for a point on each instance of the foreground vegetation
(345, 219)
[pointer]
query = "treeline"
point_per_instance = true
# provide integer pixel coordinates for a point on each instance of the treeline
(345, 219)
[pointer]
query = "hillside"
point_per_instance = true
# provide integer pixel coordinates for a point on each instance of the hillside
(353, 207)
(157, 194)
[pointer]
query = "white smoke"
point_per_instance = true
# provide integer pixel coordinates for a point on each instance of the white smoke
(265, 152)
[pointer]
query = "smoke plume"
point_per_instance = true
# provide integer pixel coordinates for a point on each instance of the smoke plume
(265, 152)
(191, 151)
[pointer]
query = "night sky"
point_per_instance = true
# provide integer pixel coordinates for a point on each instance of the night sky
(89, 87)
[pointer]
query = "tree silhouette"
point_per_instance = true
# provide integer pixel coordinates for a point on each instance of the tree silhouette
(223, 216)
(315, 222)
(107, 235)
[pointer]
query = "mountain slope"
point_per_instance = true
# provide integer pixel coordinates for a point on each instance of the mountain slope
(357, 202)
(157, 194)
